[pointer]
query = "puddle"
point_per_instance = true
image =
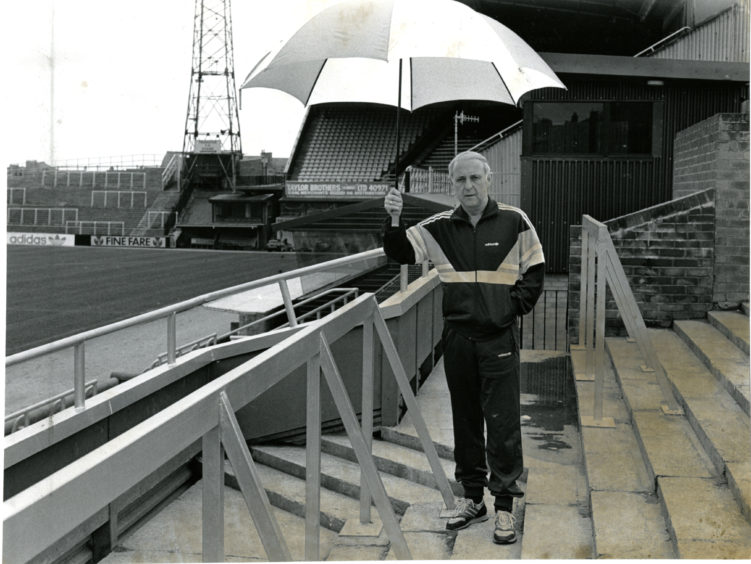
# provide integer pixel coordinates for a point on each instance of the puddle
(548, 407)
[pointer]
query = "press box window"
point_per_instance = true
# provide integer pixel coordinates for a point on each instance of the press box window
(592, 128)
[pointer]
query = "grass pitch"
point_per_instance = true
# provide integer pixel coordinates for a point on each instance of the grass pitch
(54, 292)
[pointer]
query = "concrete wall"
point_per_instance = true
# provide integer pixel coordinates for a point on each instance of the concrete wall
(714, 153)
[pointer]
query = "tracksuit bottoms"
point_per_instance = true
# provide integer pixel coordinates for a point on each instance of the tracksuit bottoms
(483, 376)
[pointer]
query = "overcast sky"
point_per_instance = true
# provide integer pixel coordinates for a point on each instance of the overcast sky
(122, 76)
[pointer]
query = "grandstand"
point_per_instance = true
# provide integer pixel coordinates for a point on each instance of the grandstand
(124, 201)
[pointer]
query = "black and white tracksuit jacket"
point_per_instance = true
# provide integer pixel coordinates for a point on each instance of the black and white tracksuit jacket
(491, 272)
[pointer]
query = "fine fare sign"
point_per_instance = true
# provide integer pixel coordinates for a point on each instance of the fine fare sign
(113, 241)
(296, 189)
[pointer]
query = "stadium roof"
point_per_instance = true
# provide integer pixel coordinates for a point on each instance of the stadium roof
(607, 27)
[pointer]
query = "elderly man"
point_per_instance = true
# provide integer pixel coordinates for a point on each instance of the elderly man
(491, 265)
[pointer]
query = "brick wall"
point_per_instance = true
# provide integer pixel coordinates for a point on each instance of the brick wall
(714, 153)
(667, 253)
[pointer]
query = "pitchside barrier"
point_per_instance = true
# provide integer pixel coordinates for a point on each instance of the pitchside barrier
(35, 239)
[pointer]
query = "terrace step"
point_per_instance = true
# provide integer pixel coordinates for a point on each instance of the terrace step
(733, 325)
(343, 476)
(627, 521)
(395, 459)
(287, 492)
(718, 351)
(699, 464)
(179, 524)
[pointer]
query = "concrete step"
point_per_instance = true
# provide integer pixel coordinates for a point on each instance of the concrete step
(287, 492)
(174, 533)
(722, 427)
(733, 325)
(674, 451)
(394, 459)
(343, 476)
(626, 519)
(728, 363)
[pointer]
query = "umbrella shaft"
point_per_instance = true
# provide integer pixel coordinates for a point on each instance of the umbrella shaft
(398, 129)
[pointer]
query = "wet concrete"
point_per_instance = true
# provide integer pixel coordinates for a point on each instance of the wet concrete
(550, 423)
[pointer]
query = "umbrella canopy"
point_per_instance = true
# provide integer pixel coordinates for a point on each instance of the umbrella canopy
(353, 52)
(356, 51)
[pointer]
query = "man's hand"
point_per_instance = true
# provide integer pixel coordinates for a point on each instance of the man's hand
(393, 204)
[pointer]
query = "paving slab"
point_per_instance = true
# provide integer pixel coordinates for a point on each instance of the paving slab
(728, 363)
(174, 533)
(426, 546)
(703, 510)
(556, 531)
(739, 481)
(555, 484)
(715, 550)
(629, 526)
(734, 325)
(342, 553)
(640, 389)
(614, 461)
(671, 447)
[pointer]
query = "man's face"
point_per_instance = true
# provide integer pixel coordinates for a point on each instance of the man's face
(471, 184)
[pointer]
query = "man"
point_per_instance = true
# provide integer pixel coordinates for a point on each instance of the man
(491, 265)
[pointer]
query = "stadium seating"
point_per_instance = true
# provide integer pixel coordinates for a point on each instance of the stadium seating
(114, 202)
(351, 142)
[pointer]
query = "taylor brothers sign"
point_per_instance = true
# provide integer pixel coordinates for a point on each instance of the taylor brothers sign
(336, 189)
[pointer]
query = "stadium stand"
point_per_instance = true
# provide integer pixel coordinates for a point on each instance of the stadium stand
(355, 141)
(42, 198)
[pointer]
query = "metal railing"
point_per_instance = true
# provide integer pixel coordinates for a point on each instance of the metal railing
(95, 227)
(112, 178)
(129, 196)
(600, 265)
(342, 297)
(106, 163)
(55, 217)
(428, 181)
(58, 503)
(21, 418)
(172, 169)
(496, 136)
(169, 315)
(545, 327)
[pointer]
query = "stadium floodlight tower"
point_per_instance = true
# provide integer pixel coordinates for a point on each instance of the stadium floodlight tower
(211, 145)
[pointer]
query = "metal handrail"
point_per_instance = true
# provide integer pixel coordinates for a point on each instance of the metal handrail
(58, 503)
(169, 313)
(663, 40)
(501, 134)
(120, 161)
(600, 265)
(209, 340)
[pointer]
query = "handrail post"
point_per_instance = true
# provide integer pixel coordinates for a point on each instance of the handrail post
(313, 460)
(425, 268)
(79, 375)
(212, 510)
(367, 411)
(403, 277)
(171, 338)
(590, 325)
(600, 330)
(288, 303)
(583, 303)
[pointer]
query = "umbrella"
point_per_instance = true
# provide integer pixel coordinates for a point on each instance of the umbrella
(358, 50)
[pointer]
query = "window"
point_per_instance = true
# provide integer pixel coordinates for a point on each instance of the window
(592, 128)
